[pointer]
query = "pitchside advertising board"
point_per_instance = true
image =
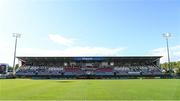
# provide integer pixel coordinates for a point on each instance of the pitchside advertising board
(88, 58)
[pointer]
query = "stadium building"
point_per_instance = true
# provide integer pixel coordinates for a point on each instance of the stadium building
(90, 67)
(3, 68)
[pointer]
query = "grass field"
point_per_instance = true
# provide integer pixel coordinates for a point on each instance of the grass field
(150, 89)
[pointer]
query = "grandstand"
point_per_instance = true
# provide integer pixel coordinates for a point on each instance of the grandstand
(89, 67)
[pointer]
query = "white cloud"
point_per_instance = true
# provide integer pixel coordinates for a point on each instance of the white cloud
(61, 40)
(71, 51)
(7, 49)
(174, 53)
(6, 55)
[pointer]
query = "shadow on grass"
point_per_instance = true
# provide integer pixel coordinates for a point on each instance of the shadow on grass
(68, 81)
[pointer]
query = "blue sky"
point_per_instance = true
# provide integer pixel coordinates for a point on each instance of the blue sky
(91, 27)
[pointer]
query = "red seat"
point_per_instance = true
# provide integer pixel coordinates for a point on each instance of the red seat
(104, 69)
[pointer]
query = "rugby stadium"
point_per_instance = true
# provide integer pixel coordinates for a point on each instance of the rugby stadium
(86, 78)
(89, 67)
(89, 50)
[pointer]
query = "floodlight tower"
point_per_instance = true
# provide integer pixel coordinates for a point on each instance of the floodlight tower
(167, 36)
(16, 35)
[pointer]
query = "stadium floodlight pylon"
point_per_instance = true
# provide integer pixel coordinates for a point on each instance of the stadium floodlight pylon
(167, 36)
(16, 35)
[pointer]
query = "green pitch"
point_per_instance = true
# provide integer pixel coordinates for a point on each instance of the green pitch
(152, 89)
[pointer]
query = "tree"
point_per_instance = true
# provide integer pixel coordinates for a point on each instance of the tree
(17, 66)
(174, 65)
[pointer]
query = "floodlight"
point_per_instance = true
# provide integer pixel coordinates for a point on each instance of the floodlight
(167, 35)
(16, 35)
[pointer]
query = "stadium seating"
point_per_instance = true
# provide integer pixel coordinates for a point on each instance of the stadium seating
(104, 71)
(60, 70)
(72, 71)
(39, 70)
(137, 70)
